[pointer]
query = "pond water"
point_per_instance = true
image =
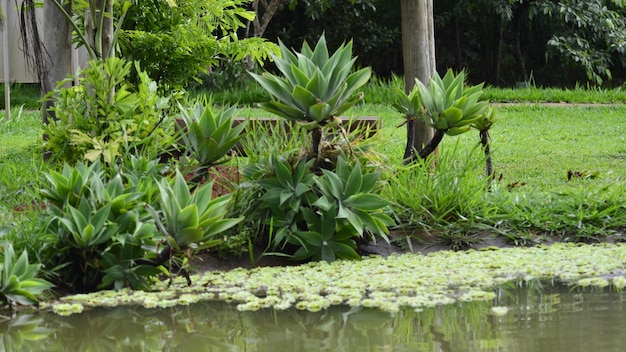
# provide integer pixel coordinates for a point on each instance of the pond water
(529, 318)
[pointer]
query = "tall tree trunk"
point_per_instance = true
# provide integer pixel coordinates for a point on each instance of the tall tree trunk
(418, 52)
(264, 14)
(101, 39)
(57, 42)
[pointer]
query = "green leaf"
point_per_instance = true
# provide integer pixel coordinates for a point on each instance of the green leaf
(100, 217)
(217, 227)
(324, 203)
(320, 54)
(344, 251)
(303, 98)
(20, 267)
(187, 217)
(328, 254)
(320, 111)
(366, 202)
(276, 86)
(354, 182)
(453, 115)
(188, 236)
(290, 112)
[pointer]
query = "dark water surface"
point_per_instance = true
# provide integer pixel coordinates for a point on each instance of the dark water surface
(536, 318)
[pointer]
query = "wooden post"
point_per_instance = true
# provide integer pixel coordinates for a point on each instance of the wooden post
(5, 56)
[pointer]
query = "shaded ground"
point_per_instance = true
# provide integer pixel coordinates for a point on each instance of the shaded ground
(209, 261)
(423, 244)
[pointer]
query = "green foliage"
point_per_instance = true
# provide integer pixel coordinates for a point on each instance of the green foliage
(88, 23)
(578, 94)
(323, 240)
(23, 95)
(449, 105)
(105, 117)
(21, 164)
(210, 133)
(320, 214)
(99, 228)
(591, 34)
(486, 120)
(315, 87)
(578, 216)
(18, 278)
(285, 190)
(453, 193)
(352, 193)
(191, 221)
(446, 105)
(175, 42)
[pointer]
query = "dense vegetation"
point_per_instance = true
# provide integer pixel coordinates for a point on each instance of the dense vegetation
(501, 42)
(139, 176)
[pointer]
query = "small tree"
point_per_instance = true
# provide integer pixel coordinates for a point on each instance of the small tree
(175, 42)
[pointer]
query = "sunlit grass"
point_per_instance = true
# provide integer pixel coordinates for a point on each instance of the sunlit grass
(21, 165)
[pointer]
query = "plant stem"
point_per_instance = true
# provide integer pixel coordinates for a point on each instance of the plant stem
(316, 135)
(484, 140)
(409, 151)
(431, 146)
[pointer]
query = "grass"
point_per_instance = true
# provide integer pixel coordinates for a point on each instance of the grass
(556, 95)
(383, 90)
(22, 94)
(21, 165)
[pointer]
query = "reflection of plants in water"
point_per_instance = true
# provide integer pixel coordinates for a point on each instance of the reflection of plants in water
(217, 326)
(23, 332)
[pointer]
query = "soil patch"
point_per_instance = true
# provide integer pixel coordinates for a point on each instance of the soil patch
(210, 261)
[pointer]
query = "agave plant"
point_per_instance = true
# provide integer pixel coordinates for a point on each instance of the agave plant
(322, 214)
(445, 105)
(210, 134)
(18, 281)
(98, 225)
(314, 88)
(351, 191)
(483, 125)
(325, 239)
(190, 222)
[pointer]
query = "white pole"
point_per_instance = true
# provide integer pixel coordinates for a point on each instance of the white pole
(5, 55)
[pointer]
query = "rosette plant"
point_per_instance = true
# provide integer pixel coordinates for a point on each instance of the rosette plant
(210, 135)
(18, 278)
(446, 105)
(483, 125)
(314, 88)
(188, 221)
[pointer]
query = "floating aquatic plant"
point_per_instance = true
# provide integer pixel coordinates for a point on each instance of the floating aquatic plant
(407, 280)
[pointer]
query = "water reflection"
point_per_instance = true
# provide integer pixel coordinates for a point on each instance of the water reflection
(533, 319)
